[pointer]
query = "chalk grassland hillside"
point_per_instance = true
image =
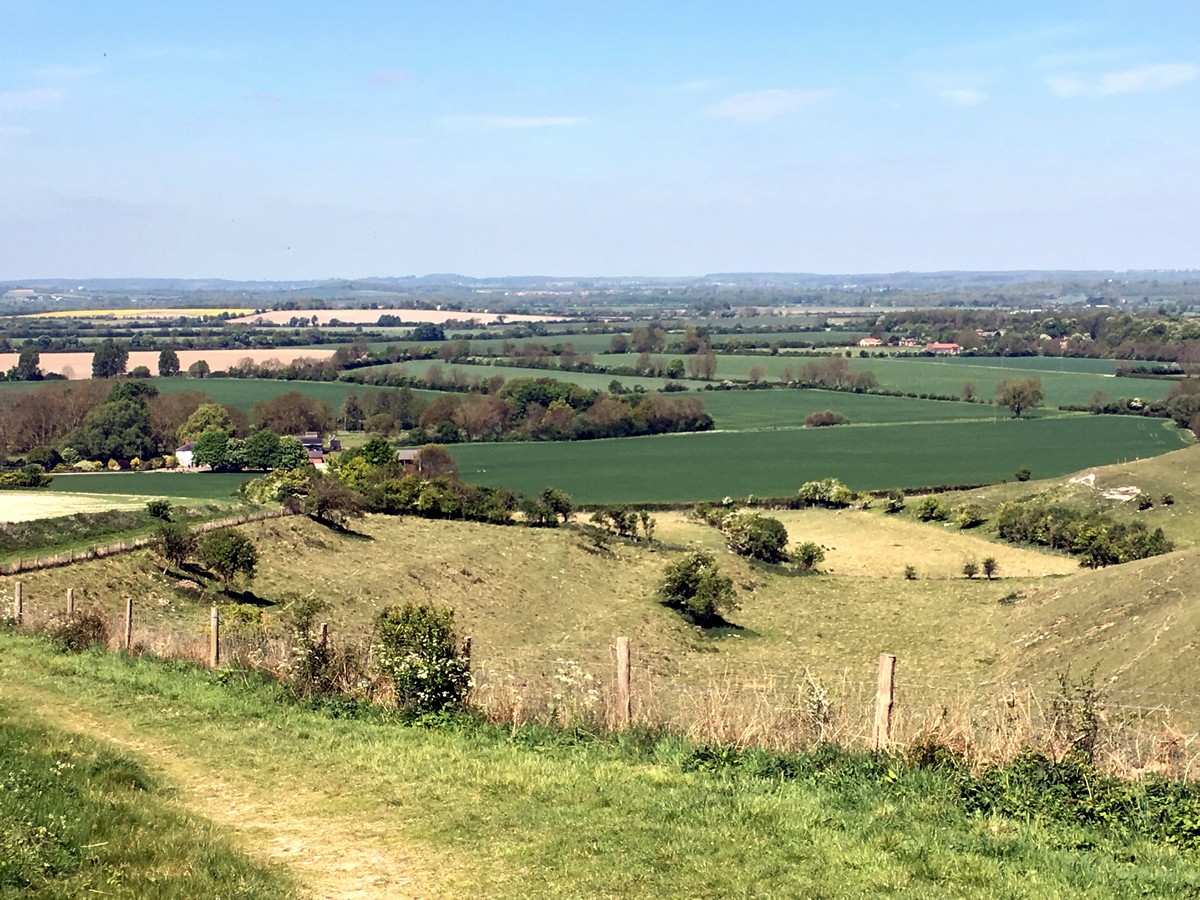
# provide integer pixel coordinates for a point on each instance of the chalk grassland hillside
(531, 597)
(1136, 625)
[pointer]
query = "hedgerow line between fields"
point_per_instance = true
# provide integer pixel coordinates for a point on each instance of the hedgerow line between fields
(56, 560)
(984, 720)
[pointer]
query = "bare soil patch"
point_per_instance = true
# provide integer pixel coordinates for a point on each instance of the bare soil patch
(79, 365)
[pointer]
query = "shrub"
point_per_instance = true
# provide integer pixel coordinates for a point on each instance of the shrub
(1023, 474)
(77, 634)
(227, 554)
(1145, 502)
(825, 417)
(757, 537)
(910, 573)
(808, 556)
(174, 543)
(931, 509)
(30, 476)
(160, 509)
(894, 502)
(970, 516)
(1168, 500)
(970, 568)
(695, 587)
(828, 492)
(418, 650)
(990, 567)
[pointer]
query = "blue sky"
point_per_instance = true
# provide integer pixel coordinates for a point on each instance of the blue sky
(309, 140)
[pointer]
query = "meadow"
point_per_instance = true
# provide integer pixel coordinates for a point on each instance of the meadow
(193, 486)
(709, 466)
(245, 392)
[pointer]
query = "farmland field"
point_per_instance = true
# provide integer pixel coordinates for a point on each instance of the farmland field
(182, 485)
(923, 375)
(766, 410)
(677, 468)
(78, 365)
(371, 316)
(24, 506)
(600, 382)
(245, 392)
(140, 313)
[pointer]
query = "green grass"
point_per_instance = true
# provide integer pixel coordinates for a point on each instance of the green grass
(179, 485)
(82, 818)
(476, 811)
(678, 468)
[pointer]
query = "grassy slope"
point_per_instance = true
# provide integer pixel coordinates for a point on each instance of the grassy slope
(712, 466)
(392, 811)
(81, 817)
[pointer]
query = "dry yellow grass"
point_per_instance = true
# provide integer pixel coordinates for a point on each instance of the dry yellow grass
(24, 506)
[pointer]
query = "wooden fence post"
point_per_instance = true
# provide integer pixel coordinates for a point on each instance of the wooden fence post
(624, 709)
(70, 603)
(128, 623)
(885, 699)
(324, 635)
(19, 602)
(214, 638)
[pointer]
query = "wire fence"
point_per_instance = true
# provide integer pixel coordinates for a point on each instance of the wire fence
(704, 701)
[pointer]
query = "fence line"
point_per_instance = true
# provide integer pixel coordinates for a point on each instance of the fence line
(73, 556)
(613, 689)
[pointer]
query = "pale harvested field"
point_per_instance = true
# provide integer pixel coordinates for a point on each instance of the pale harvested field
(870, 545)
(24, 506)
(371, 316)
(164, 313)
(79, 365)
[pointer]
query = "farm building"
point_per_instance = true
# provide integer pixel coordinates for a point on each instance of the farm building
(870, 342)
(183, 455)
(944, 349)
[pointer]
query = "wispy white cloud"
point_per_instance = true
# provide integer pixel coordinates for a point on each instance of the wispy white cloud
(66, 73)
(759, 106)
(500, 123)
(40, 99)
(962, 96)
(390, 77)
(1140, 80)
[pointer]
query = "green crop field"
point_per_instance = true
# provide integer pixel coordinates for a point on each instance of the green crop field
(189, 485)
(677, 468)
(245, 392)
(766, 410)
(418, 368)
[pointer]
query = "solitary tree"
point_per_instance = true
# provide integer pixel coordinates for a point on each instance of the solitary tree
(168, 363)
(198, 369)
(970, 568)
(27, 367)
(990, 567)
(758, 537)
(1020, 394)
(109, 359)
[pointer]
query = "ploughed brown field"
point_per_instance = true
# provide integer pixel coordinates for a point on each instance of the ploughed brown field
(79, 365)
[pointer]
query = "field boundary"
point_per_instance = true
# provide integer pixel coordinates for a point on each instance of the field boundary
(57, 560)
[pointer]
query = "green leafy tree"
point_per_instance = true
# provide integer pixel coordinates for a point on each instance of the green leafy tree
(260, 450)
(109, 359)
(159, 509)
(1020, 394)
(990, 567)
(227, 554)
(168, 363)
(28, 366)
(115, 430)
(214, 448)
(417, 648)
(207, 417)
(199, 369)
(930, 509)
(559, 503)
(695, 587)
(290, 455)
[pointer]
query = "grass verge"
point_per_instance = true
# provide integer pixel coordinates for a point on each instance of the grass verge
(471, 808)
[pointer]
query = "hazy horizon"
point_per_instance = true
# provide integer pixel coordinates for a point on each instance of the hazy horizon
(299, 142)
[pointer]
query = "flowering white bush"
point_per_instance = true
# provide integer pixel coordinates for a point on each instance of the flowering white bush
(418, 650)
